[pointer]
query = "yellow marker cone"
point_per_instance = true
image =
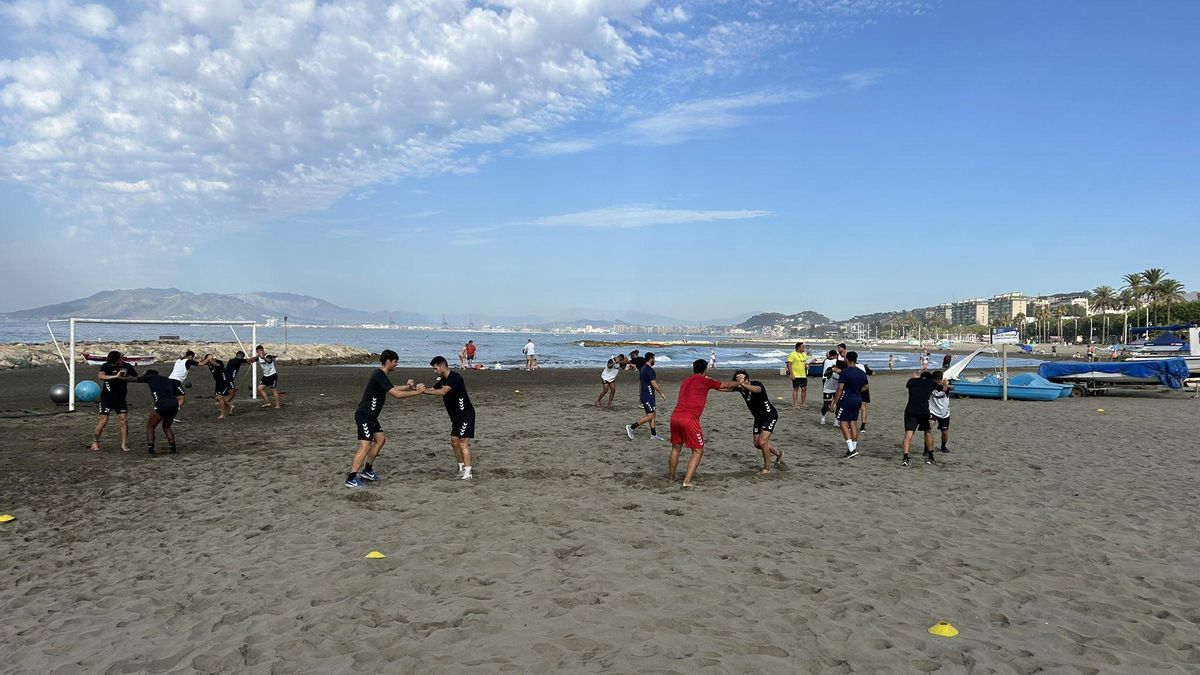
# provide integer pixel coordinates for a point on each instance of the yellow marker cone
(375, 555)
(1099, 409)
(4, 518)
(516, 391)
(943, 629)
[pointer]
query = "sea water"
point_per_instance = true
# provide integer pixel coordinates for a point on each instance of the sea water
(416, 347)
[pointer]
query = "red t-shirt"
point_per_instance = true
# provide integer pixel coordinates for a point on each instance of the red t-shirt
(693, 395)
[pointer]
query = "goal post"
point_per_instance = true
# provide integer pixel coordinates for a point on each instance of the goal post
(70, 362)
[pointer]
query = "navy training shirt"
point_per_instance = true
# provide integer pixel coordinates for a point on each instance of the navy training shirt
(458, 402)
(645, 376)
(375, 394)
(853, 381)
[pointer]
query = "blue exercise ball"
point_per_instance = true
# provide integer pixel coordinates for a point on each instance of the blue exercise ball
(60, 394)
(87, 392)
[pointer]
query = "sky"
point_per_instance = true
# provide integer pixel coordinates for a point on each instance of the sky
(695, 159)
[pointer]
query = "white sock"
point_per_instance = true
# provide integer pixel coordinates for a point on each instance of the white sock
(853, 445)
(849, 445)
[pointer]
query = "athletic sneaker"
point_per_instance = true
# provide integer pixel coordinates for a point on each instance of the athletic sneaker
(945, 449)
(850, 454)
(929, 458)
(629, 431)
(656, 437)
(904, 462)
(822, 420)
(354, 483)
(466, 476)
(862, 427)
(368, 475)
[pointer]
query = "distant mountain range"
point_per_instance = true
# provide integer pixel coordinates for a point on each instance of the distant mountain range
(172, 303)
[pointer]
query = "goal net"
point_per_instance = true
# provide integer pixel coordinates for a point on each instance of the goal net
(71, 358)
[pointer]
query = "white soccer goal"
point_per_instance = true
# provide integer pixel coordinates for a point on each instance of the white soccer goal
(69, 363)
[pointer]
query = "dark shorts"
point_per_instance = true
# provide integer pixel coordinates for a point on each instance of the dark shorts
(270, 381)
(179, 390)
(765, 424)
(866, 395)
(368, 426)
(943, 423)
(848, 411)
(222, 390)
(167, 413)
(463, 427)
(827, 396)
(798, 382)
(116, 406)
(916, 421)
(648, 407)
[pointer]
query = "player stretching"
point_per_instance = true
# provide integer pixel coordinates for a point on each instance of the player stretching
(765, 417)
(453, 390)
(113, 389)
(685, 420)
(166, 407)
(847, 401)
(270, 376)
(647, 388)
(366, 418)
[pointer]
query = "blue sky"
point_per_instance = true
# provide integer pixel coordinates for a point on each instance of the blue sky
(690, 159)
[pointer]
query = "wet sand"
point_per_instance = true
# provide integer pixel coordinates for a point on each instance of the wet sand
(1056, 538)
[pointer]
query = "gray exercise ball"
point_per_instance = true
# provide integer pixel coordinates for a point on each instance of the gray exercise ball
(60, 394)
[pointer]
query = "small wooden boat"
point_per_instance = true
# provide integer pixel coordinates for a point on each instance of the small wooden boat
(101, 359)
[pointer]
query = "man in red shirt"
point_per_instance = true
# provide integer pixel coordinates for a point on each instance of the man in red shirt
(685, 419)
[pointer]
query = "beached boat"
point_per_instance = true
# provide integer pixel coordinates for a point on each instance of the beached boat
(1169, 345)
(101, 359)
(1021, 387)
(1166, 372)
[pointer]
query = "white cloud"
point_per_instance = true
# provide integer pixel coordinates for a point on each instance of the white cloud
(688, 120)
(641, 216)
(270, 109)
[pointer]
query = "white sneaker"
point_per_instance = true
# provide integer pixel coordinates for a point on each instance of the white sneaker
(629, 431)
(822, 420)
(465, 476)
(657, 438)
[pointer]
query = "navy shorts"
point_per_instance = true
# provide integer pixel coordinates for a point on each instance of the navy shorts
(916, 421)
(943, 423)
(179, 391)
(113, 406)
(799, 382)
(848, 411)
(270, 381)
(766, 424)
(463, 427)
(368, 426)
(222, 390)
(648, 407)
(866, 395)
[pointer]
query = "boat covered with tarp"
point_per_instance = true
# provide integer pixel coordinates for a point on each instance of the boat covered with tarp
(1166, 372)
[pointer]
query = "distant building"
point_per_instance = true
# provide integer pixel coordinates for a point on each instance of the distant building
(969, 312)
(1007, 305)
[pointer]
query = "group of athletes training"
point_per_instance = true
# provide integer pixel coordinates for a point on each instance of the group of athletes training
(170, 392)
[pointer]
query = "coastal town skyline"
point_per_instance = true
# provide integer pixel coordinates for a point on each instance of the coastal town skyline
(692, 159)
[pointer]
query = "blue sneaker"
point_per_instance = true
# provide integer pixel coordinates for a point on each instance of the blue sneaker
(355, 483)
(368, 475)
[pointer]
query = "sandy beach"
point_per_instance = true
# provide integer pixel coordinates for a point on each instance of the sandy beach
(1055, 537)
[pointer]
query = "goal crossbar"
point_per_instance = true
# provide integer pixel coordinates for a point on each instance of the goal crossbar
(69, 363)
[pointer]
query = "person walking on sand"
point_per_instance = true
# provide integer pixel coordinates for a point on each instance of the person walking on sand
(530, 352)
(797, 370)
(453, 390)
(608, 382)
(847, 401)
(648, 392)
(765, 417)
(685, 419)
(366, 418)
(916, 413)
(270, 376)
(939, 408)
(114, 388)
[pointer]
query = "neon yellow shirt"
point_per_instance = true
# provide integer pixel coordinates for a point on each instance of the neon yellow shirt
(799, 363)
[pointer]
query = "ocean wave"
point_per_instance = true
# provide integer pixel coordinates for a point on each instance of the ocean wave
(773, 354)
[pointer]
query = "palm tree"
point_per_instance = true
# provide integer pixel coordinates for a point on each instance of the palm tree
(1104, 298)
(1171, 291)
(1153, 279)
(1128, 300)
(1135, 283)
